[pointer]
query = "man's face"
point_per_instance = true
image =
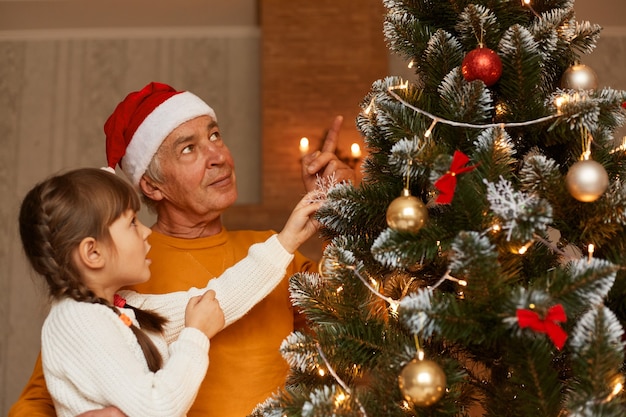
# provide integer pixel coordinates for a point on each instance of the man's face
(198, 171)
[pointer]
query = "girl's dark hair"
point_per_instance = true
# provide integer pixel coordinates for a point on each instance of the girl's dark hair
(57, 214)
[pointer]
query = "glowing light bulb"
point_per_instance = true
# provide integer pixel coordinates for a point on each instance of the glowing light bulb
(370, 107)
(524, 248)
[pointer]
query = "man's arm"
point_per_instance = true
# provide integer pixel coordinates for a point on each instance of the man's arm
(35, 400)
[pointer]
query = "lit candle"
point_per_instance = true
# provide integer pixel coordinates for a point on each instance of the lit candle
(355, 149)
(304, 146)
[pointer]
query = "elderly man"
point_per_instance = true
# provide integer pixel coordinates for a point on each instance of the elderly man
(169, 145)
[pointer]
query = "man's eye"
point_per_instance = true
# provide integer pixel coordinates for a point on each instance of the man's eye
(214, 137)
(188, 149)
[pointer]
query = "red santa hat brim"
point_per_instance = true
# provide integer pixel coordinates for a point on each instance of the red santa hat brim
(141, 122)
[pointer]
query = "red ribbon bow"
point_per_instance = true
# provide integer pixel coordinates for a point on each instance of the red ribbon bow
(447, 183)
(548, 325)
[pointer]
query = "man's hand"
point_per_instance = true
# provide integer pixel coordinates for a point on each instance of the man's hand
(104, 412)
(324, 163)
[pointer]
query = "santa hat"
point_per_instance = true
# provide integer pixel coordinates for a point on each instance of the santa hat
(142, 121)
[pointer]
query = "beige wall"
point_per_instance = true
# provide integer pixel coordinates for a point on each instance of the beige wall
(317, 59)
(64, 66)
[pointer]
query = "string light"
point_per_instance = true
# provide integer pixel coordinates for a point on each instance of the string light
(527, 4)
(448, 277)
(370, 107)
(618, 386)
(393, 303)
(341, 397)
(401, 86)
(590, 249)
(494, 228)
(560, 101)
(394, 308)
(339, 381)
(430, 129)
(524, 248)
(622, 147)
(460, 124)
(501, 109)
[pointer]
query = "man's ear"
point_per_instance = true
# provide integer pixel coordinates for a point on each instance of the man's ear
(90, 253)
(150, 189)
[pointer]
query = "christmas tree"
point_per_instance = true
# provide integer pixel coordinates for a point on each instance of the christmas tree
(478, 266)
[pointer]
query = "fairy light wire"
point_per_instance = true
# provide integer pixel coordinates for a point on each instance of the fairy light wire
(339, 380)
(466, 125)
(372, 289)
(530, 7)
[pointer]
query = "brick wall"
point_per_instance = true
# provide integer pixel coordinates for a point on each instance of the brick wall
(319, 59)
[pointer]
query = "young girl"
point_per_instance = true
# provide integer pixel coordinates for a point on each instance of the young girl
(144, 354)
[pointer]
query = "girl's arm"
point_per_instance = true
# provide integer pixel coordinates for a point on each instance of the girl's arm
(92, 360)
(238, 289)
(246, 283)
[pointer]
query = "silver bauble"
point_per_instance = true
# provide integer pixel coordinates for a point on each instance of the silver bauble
(587, 180)
(579, 77)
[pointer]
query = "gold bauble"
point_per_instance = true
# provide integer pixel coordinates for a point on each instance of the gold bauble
(579, 77)
(406, 213)
(422, 382)
(586, 180)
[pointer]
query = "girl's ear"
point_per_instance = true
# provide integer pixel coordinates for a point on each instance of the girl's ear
(149, 189)
(90, 253)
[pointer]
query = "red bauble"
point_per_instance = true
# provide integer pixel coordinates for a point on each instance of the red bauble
(482, 64)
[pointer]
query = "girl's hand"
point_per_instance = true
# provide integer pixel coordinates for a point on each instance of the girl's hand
(300, 226)
(205, 314)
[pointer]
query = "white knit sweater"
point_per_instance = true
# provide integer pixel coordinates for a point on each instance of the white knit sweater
(91, 359)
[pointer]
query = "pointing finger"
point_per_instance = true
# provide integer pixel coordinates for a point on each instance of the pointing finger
(330, 143)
